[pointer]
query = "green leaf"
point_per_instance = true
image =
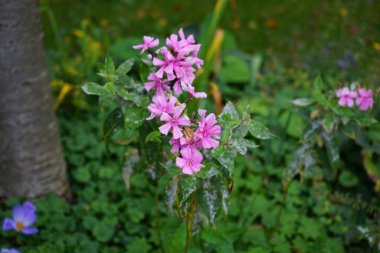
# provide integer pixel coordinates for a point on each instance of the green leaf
(259, 130)
(332, 148)
(235, 70)
(225, 158)
(210, 198)
(139, 244)
(256, 63)
(172, 168)
(328, 123)
(230, 109)
(348, 179)
(144, 72)
(109, 66)
(125, 67)
(293, 123)
(309, 228)
(95, 89)
(134, 117)
(179, 239)
(122, 49)
(110, 86)
(302, 102)
(153, 136)
(103, 232)
(82, 175)
(171, 192)
(113, 121)
(188, 185)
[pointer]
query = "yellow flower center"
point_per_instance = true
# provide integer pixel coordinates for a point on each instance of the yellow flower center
(19, 225)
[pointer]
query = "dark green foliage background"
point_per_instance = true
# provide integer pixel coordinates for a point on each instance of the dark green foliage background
(272, 52)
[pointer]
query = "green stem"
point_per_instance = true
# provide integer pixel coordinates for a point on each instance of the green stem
(188, 235)
(158, 220)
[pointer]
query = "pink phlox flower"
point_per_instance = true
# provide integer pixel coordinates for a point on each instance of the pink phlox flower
(190, 162)
(195, 61)
(189, 40)
(364, 99)
(187, 76)
(183, 45)
(346, 97)
(156, 83)
(149, 42)
(193, 143)
(165, 65)
(173, 122)
(176, 145)
(208, 130)
(191, 90)
(160, 104)
(177, 87)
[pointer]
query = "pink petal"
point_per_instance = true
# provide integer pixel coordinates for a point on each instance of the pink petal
(157, 62)
(180, 162)
(149, 85)
(184, 121)
(202, 113)
(187, 170)
(155, 43)
(196, 167)
(140, 46)
(187, 153)
(177, 132)
(164, 129)
(178, 110)
(165, 117)
(197, 156)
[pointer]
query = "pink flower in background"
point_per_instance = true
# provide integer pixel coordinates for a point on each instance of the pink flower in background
(156, 83)
(364, 99)
(173, 122)
(346, 97)
(191, 90)
(160, 104)
(149, 42)
(208, 130)
(190, 162)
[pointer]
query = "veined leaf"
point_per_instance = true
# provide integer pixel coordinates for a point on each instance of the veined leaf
(153, 136)
(95, 89)
(259, 130)
(125, 67)
(113, 121)
(302, 102)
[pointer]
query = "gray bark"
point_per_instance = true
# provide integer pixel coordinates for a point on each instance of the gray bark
(31, 159)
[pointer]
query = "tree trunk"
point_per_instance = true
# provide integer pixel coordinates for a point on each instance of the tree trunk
(31, 159)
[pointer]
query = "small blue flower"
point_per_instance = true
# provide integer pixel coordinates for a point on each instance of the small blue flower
(23, 217)
(9, 251)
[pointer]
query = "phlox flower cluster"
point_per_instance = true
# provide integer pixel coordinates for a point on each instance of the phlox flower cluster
(175, 65)
(361, 97)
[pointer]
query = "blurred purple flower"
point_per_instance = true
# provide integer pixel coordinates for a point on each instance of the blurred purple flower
(23, 217)
(9, 251)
